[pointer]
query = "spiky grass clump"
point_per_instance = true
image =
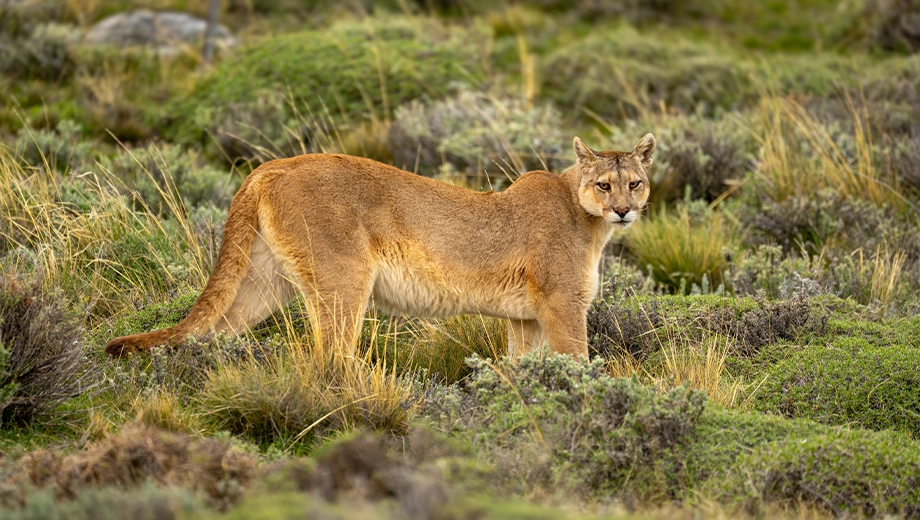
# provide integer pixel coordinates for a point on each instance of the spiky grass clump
(41, 353)
(683, 251)
(165, 411)
(297, 395)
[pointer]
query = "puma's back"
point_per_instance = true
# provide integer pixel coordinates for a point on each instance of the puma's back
(343, 229)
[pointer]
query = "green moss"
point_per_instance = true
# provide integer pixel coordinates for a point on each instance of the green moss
(723, 435)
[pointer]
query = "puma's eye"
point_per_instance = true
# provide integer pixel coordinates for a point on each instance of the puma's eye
(635, 184)
(603, 186)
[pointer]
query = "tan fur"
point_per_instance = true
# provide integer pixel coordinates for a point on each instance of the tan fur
(344, 229)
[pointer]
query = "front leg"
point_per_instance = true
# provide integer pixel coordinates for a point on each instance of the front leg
(566, 327)
(523, 337)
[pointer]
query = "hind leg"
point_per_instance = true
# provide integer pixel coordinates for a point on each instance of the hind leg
(337, 303)
(266, 288)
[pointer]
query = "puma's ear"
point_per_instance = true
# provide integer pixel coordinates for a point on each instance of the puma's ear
(644, 149)
(585, 155)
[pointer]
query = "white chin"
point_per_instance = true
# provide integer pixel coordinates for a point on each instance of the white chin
(620, 224)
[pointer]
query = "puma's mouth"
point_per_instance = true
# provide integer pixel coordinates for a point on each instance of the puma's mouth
(621, 222)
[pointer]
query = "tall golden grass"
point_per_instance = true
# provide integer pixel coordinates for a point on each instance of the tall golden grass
(799, 156)
(83, 251)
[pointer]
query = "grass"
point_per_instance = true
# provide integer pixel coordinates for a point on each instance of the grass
(682, 251)
(296, 396)
(67, 227)
(800, 156)
(755, 341)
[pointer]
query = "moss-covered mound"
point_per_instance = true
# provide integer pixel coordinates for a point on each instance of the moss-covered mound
(863, 374)
(305, 80)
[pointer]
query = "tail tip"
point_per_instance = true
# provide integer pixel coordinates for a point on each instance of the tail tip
(119, 347)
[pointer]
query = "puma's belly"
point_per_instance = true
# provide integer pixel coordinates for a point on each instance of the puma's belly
(424, 289)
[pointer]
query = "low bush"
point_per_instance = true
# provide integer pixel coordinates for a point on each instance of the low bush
(139, 455)
(881, 277)
(609, 436)
(848, 381)
(41, 52)
(641, 326)
(59, 151)
(157, 173)
(41, 354)
(806, 224)
(893, 25)
(476, 133)
(622, 73)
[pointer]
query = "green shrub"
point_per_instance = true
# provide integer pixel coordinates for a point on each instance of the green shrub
(473, 133)
(881, 276)
(157, 173)
(892, 25)
(59, 151)
(622, 73)
(848, 381)
(809, 222)
(641, 326)
(41, 52)
(305, 80)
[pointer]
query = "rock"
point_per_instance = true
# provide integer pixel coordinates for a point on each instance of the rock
(166, 31)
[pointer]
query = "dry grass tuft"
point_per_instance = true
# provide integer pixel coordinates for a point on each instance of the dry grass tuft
(442, 346)
(164, 411)
(800, 156)
(89, 241)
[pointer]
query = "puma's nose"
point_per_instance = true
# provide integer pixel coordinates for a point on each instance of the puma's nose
(621, 211)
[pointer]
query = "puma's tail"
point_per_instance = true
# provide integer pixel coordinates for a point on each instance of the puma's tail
(220, 291)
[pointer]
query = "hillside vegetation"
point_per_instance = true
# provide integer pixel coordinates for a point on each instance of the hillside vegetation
(755, 346)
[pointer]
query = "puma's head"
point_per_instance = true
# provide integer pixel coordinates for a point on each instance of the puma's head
(614, 185)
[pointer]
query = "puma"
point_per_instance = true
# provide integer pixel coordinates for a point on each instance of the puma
(342, 229)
